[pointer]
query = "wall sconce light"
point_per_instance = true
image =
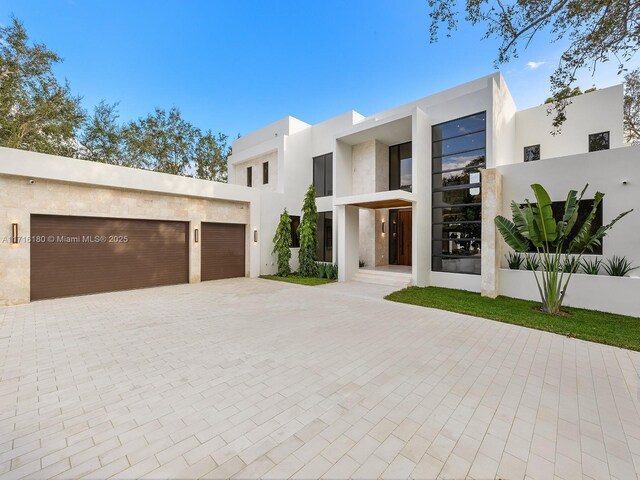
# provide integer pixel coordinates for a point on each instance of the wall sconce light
(14, 233)
(255, 235)
(383, 225)
(196, 235)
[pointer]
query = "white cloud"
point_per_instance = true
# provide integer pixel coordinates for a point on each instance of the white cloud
(534, 65)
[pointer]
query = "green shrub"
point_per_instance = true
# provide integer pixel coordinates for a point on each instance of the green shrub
(570, 265)
(514, 260)
(618, 266)
(532, 262)
(591, 266)
(308, 235)
(282, 244)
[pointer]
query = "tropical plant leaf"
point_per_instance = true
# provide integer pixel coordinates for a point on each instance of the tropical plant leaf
(519, 219)
(571, 207)
(596, 238)
(510, 233)
(584, 239)
(530, 213)
(544, 220)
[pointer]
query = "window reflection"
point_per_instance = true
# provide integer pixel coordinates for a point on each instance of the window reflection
(458, 156)
(400, 167)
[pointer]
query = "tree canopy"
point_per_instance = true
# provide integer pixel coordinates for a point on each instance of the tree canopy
(39, 113)
(632, 106)
(597, 31)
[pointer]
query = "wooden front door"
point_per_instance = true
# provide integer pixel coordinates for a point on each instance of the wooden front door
(404, 237)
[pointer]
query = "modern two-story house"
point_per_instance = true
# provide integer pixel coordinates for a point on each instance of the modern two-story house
(405, 196)
(414, 190)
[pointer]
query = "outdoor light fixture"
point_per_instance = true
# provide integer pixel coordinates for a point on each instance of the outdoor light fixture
(195, 235)
(383, 225)
(14, 233)
(255, 235)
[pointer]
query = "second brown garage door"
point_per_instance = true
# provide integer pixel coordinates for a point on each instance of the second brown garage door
(79, 255)
(223, 251)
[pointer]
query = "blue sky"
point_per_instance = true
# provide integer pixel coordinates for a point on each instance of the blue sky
(235, 65)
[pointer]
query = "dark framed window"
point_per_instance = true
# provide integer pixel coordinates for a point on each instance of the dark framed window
(532, 153)
(323, 175)
(249, 176)
(265, 172)
(295, 224)
(599, 141)
(583, 212)
(458, 157)
(325, 237)
(400, 167)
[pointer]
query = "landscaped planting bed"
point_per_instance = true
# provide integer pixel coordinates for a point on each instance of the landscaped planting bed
(608, 328)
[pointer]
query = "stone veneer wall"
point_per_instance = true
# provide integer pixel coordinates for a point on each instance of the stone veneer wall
(19, 199)
(382, 239)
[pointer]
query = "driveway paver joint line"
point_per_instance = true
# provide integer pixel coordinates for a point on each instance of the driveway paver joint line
(251, 378)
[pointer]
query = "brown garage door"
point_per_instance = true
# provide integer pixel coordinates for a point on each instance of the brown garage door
(223, 246)
(80, 255)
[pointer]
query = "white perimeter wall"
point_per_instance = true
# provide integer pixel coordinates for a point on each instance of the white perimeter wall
(604, 171)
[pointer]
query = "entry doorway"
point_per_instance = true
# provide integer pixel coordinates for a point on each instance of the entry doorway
(400, 240)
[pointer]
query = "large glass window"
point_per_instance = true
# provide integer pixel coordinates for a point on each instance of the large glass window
(323, 175)
(400, 167)
(325, 237)
(458, 156)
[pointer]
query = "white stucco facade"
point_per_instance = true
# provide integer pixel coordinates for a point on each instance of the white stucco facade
(362, 196)
(385, 202)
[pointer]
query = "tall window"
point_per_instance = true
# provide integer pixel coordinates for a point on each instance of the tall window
(458, 155)
(532, 153)
(249, 177)
(323, 175)
(325, 237)
(265, 172)
(599, 141)
(400, 167)
(295, 224)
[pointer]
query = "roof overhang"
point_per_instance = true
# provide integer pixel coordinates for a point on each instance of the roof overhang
(388, 199)
(390, 130)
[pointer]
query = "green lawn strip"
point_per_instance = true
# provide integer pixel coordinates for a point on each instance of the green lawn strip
(310, 281)
(608, 328)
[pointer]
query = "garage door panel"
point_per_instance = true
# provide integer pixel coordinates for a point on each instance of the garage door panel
(222, 250)
(155, 253)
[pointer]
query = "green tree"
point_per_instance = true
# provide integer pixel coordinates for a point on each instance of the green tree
(37, 112)
(162, 141)
(534, 225)
(597, 31)
(282, 244)
(212, 152)
(102, 139)
(632, 106)
(308, 232)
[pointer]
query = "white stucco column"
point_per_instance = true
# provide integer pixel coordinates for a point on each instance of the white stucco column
(491, 242)
(348, 241)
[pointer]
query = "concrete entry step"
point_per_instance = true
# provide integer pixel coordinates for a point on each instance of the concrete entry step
(383, 277)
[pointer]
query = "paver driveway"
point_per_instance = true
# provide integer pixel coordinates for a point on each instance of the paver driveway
(253, 378)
